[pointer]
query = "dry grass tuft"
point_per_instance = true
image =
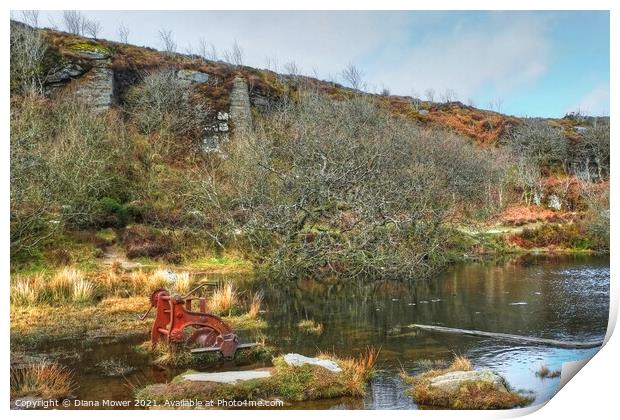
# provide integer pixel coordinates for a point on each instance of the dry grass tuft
(183, 283)
(26, 291)
(310, 326)
(223, 299)
(257, 300)
(46, 380)
(461, 363)
(61, 285)
(67, 285)
(545, 372)
(83, 291)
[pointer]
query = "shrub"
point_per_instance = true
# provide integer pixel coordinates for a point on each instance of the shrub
(340, 188)
(163, 103)
(28, 52)
(45, 380)
(65, 158)
(570, 235)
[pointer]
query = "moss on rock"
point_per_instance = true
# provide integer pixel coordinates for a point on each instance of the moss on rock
(289, 383)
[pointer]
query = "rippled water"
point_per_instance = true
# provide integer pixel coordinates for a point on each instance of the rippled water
(561, 298)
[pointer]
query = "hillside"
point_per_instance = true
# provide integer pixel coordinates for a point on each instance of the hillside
(154, 155)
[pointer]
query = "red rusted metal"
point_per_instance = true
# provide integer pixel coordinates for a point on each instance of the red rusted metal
(176, 323)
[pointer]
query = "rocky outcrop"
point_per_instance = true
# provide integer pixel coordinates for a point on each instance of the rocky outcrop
(240, 114)
(192, 76)
(294, 359)
(97, 86)
(452, 381)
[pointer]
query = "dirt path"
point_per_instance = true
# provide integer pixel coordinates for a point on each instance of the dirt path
(112, 256)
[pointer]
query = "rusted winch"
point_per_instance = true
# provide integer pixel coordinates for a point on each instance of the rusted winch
(177, 323)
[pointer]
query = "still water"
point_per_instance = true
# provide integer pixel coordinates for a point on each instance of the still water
(563, 298)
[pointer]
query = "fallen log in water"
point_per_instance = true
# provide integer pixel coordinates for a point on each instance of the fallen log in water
(512, 337)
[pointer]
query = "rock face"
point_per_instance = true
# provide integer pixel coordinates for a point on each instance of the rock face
(64, 74)
(227, 377)
(97, 86)
(452, 381)
(193, 76)
(294, 359)
(240, 113)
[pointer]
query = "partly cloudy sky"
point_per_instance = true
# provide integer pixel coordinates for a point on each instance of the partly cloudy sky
(532, 63)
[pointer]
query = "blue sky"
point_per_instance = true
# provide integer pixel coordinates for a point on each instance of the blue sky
(531, 63)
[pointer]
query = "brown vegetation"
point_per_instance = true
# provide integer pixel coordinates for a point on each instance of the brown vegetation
(471, 395)
(45, 380)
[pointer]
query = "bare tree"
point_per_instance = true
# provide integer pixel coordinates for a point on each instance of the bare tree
(211, 53)
(449, 95)
(430, 94)
(27, 54)
(92, 28)
(123, 33)
(415, 100)
(271, 63)
(353, 76)
(51, 23)
(292, 69)
(167, 40)
(496, 104)
(31, 17)
(234, 56)
(74, 22)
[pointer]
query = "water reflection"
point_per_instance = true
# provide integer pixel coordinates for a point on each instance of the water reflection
(562, 298)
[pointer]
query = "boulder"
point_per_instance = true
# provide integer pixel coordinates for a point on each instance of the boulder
(227, 377)
(294, 359)
(452, 381)
(65, 74)
(193, 76)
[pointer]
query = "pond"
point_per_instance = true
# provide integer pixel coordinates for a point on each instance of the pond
(564, 298)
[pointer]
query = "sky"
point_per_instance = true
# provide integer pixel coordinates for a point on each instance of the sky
(521, 63)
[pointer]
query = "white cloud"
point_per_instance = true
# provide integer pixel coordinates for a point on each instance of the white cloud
(595, 102)
(502, 54)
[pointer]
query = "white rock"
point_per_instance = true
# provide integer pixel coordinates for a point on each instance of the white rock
(294, 359)
(227, 377)
(452, 381)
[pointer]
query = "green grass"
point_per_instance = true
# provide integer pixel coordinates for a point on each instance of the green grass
(224, 263)
(291, 383)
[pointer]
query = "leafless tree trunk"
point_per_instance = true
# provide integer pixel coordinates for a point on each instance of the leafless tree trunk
(31, 17)
(353, 76)
(74, 22)
(168, 43)
(234, 56)
(93, 28)
(123, 33)
(430, 94)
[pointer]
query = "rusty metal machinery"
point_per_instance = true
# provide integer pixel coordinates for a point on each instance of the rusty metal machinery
(178, 322)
